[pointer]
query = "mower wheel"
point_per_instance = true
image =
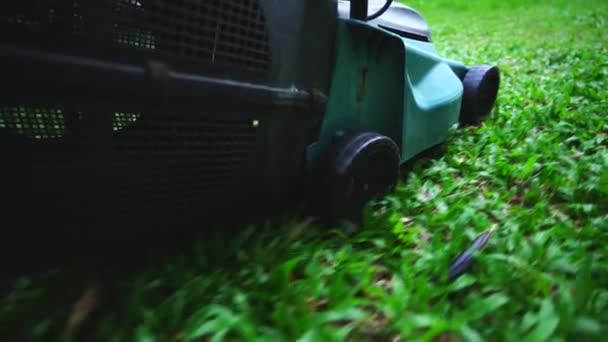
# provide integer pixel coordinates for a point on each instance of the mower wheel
(481, 83)
(363, 167)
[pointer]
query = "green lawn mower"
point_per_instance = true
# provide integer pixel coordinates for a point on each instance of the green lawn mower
(118, 114)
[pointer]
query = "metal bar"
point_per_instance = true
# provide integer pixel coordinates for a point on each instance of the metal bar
(45, 72)
(358, 9)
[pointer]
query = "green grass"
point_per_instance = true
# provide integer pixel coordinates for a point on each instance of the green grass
(536, 172)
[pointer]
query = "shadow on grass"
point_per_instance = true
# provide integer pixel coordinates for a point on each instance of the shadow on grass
(53, 286)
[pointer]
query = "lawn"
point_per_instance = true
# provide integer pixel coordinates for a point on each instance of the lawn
(536, 174)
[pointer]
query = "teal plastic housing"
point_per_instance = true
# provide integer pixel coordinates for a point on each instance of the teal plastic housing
(391, 85)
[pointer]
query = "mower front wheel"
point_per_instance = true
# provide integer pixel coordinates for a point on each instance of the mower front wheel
(362, 167)
(480, 83)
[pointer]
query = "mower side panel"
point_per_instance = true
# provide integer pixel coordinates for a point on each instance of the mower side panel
(390, 85)
(366, 92)
(432, 97)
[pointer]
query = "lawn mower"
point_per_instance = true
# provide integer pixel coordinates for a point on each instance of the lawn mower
(117, 114)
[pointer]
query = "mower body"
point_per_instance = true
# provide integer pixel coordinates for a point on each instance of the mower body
(123, 113)
(388, 78)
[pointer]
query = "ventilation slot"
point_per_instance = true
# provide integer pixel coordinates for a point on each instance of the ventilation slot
(49, 123)
(33, 122)
(124, 120)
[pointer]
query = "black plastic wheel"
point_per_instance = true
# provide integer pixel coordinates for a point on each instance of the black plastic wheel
(363, 167)
(481, 84)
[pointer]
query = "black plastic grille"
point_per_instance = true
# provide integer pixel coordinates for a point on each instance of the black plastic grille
(150, 167)
(176, 165)
(226, 33)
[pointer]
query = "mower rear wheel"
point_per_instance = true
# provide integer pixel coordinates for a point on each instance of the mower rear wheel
(363, 167)
(481, 83)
